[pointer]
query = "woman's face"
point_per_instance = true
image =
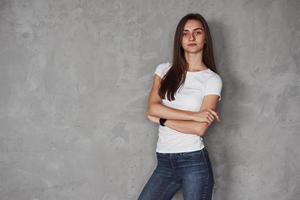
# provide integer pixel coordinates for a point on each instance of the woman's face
(193, 36)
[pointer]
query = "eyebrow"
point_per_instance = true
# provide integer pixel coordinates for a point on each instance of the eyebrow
(195, 29)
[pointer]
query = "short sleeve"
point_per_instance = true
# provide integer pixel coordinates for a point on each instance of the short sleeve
(214, 86)
(162, 69)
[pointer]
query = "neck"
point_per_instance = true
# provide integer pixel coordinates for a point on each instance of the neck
(194, 61)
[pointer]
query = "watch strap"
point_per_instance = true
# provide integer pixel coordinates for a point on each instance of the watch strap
(162, 121)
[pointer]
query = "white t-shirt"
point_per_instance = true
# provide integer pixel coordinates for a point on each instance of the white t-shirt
(188, 97)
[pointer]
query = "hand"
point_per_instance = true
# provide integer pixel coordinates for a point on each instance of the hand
(153, 119)
(207, 115)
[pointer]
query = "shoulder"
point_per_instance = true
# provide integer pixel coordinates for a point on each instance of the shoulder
(162, 68)
(213, 80)
(213, 77)
(213, 84)
(164, 65)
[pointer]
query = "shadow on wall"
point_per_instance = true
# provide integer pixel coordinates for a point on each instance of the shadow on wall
(218, 140)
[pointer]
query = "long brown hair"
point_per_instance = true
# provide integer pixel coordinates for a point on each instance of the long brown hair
(175, 77)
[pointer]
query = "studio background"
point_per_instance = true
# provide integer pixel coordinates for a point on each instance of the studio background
(74, 80)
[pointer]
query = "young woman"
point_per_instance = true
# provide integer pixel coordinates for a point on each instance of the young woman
(183, 100)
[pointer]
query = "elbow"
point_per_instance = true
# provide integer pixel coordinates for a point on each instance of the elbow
(202, 129)
(151, 110)
(148, 113)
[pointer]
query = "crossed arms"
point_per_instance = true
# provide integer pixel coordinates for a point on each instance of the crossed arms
(183, 121)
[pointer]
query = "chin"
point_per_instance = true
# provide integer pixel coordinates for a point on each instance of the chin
(192, 50)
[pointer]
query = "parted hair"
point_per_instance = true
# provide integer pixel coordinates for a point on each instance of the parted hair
(175, 77)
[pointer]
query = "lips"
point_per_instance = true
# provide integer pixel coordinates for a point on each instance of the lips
(192, 44)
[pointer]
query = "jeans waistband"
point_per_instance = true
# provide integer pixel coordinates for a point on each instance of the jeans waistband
(181, 153)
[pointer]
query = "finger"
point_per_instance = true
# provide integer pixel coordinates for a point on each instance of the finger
(219, 119)
(210, 114)
(210, 117)
(207, 120)
(216, 117)
(213, 117)
(218, 114)
(215, 114)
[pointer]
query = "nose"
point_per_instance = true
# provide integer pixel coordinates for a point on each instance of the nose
(192, 37)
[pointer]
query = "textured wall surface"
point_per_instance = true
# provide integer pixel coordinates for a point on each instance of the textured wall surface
(74, 80)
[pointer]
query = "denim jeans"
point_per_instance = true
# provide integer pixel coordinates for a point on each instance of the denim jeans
(190, 171)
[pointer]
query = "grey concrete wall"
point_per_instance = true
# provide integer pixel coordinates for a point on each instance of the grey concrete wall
(74, 80)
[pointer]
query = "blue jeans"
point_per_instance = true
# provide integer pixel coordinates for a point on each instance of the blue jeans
(190, 170)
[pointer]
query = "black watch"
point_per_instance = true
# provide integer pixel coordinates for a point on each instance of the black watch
(162, 121)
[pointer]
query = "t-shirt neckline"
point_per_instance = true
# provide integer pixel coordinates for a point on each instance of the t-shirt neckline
(198, 71)
(192, 72)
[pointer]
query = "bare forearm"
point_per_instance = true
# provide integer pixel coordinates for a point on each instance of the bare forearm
(184, 126)
(189, 127)
(166, 112)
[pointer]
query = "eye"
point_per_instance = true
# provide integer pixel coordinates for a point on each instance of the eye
(198, 32)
